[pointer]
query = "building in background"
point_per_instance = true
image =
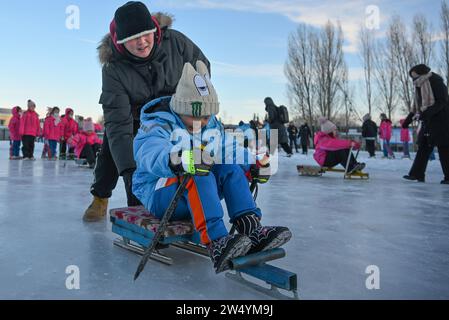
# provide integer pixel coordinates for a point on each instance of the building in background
(5, 116)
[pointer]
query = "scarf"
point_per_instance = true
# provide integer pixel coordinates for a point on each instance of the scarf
(427, 97)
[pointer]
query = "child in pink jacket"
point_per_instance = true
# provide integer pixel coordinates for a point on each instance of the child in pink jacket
(30, 128)
(14, 134)
(69, 128)
(52, 131)
(385, 131)
(405, 139)
(86, 143)
(331, 151)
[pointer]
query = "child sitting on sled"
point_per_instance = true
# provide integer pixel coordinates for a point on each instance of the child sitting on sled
(159, 170)
(331, 151)
(86, 143)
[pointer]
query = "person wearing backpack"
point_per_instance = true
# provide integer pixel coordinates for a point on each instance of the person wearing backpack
(275, 121)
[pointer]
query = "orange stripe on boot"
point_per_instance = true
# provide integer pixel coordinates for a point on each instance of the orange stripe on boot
(199, 219)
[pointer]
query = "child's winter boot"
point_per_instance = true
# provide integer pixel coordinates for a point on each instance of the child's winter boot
(97, 210)
(262, 238)
(223, 250)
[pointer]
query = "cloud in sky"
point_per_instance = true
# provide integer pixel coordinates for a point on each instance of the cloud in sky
(350, 13)
(274, 71)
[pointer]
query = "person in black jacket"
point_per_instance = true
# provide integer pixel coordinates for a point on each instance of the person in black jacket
(431, 107)
(292, 136)
(276, 124)
(142, 60)
(305, 134)
(369, 132)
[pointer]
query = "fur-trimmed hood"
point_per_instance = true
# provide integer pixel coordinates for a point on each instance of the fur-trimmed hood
(105, 51)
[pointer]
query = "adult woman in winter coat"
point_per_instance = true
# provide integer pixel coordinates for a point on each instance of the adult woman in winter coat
(142, 60)
(431, 107)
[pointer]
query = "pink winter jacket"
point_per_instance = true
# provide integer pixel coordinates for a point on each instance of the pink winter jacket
(52, 131)
(405, 133)
(327, 142)
(69, 127)
(29, 124)
(385, 130)
(80, 140)
(14, 125)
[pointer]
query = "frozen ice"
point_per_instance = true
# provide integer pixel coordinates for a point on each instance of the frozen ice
(340, 228)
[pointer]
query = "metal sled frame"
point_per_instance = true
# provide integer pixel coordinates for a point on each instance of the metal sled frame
(316, 171)
(82, 163)
(137, 239)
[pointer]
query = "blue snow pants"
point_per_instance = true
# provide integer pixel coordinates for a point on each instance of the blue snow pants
(202, 200)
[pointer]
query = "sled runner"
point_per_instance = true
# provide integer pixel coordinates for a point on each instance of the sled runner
(317, 171)
(137, 229)
(81, 162)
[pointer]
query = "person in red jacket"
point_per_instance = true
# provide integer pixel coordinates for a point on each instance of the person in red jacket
(405, 139)
(14, 134)
(331, 151)
(86, 143)
(29, 129)
(69, 128)
(385, 132)
(52, 131)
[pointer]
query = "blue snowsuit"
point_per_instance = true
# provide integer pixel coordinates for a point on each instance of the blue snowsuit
(154, 183)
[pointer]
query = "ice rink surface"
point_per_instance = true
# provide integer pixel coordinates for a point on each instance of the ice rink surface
(339, 229)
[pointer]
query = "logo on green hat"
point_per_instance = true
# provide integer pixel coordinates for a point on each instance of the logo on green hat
(196, 108)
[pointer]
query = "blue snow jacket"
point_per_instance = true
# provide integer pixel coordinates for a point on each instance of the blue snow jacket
(153, 146)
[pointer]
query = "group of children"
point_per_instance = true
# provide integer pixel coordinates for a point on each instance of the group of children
(385, 131)
(25, 128)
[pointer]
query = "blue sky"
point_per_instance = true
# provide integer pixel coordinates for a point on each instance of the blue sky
(245, 40)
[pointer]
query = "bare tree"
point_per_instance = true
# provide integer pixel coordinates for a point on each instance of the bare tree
(347, 94)
(385, 75)
(329, 67)
(299, 71)
(444, 15)
(100, 120)
(404, 57)
(366, 44)
(423, 39)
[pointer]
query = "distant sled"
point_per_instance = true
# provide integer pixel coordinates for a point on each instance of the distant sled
(317, 171)
(137, 227)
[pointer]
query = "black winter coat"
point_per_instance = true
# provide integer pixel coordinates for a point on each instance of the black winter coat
(369, 129)
(128, 85)
(292, 131)
(305, 133)
(435, 120)
(277, 125)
